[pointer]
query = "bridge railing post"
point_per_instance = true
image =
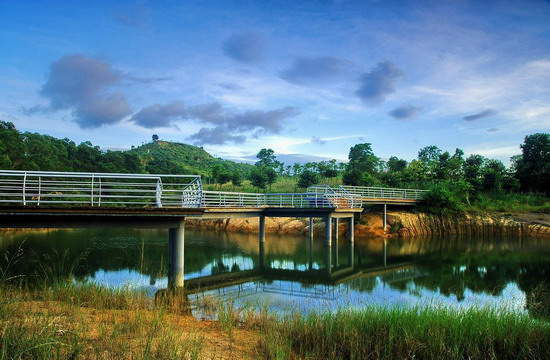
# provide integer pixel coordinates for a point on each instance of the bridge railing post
(25, 189)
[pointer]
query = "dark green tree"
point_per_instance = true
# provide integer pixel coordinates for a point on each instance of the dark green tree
(308, 178)
(237, 178)
(258, 177)
(533, 169)
(362, 166)
(494, 174)
(473, 171)
(267, 158)
(396, 164)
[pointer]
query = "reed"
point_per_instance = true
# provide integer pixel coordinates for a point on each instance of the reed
(382, 333)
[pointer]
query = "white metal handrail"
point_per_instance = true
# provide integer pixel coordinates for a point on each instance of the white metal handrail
(370, 192)
(99, 189)
(158, 190)
(385, 193)
(221, 199)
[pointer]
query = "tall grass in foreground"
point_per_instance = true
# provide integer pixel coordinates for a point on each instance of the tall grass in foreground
(86, 321)
(71, 321)
(381, 333)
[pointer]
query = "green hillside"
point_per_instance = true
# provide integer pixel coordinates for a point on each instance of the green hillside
(164, 157)
(33, 151)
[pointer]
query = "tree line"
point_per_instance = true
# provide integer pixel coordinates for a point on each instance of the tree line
(433, 167)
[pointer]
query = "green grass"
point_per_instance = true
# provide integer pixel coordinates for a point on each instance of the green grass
(381, 333)
(514, 203)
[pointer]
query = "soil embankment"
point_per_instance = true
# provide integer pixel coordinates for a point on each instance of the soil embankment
(400, 224)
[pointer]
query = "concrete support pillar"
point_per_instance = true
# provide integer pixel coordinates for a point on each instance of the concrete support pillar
(310, 243)
(335, 242)
(385, 217)
(351, 242)
(176, 240)
(328, 231)
(328, 244)
(261, 240)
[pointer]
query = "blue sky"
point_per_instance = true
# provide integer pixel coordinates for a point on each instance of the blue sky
(308, 79)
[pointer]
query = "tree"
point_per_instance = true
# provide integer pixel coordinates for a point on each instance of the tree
(328, 169)
(362, 166)
(296, 169)
(237, 178)
(533, 169)
(396, 164)
(258, 178)
(267, 158)
(494, 174)
(308, 178)
(473, 171)
(266, 165)
(270, 174)
(430, 155)
(155, 138)
(220, 175)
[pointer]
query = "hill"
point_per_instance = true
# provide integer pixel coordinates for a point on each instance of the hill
(164, 157)
(33, 151)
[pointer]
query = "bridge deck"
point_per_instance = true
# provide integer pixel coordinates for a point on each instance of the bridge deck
(157, 218)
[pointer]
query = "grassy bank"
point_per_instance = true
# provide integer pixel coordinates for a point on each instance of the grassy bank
(511, 203)
(382, 333)
(89, 322)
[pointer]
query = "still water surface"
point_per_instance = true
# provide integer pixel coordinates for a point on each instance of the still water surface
(438, 271)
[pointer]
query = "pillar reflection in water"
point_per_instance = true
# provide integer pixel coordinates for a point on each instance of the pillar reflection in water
(310, 243)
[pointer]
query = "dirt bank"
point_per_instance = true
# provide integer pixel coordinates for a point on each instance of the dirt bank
(400, 224)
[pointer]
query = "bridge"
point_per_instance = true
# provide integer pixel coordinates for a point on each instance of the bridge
(46, 199)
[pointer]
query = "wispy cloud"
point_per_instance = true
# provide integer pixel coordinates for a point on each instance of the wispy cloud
(306, 71)
(480, 115)
(405, 112)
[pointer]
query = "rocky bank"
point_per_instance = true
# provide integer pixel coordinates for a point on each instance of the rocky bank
(400, 224)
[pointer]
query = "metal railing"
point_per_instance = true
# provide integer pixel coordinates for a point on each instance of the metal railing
(220, 199)
(368, 192)
(384, 193)
(99, 189)
(185, 191)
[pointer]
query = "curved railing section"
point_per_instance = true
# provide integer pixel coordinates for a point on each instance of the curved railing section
(99, 189)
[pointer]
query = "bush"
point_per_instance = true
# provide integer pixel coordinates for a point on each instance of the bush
(447, 197)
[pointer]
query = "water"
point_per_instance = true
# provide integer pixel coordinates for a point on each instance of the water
(440, 271)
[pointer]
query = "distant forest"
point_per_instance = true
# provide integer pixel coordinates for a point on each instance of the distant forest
(433, 167)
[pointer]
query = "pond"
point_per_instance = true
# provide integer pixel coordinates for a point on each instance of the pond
(438, 271)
